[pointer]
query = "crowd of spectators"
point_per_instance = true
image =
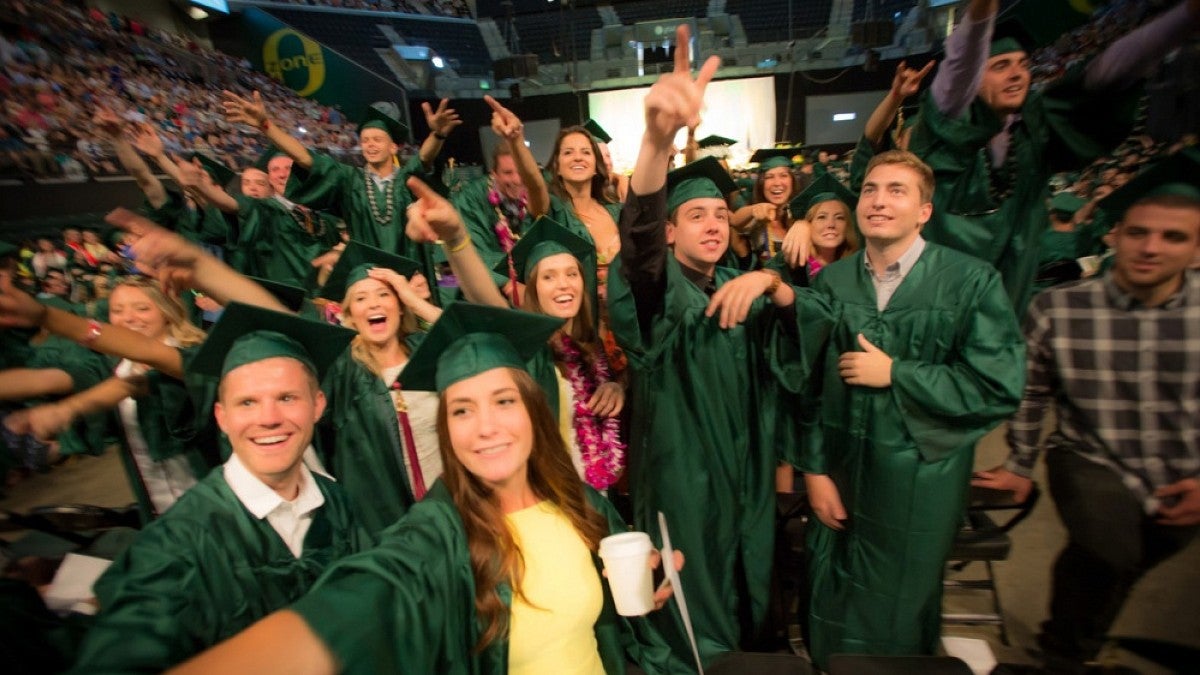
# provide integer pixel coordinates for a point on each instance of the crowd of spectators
(458, 8)
(59, 62)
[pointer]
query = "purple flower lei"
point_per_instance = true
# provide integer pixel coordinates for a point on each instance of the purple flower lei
(600, 446)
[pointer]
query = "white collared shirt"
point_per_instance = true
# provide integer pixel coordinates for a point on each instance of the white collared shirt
(289, 519)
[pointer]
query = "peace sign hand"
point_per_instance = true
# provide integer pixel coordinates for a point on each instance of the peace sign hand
(676, 99)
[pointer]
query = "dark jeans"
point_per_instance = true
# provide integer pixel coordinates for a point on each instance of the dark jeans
(1111, 544)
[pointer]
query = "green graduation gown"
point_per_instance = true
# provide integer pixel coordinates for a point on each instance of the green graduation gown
(174, 421)
(361, 444)
(418, 589)
(203, 572)
(271, 242)
(480, 218)
(705, 441)
(344, 190)
(1060, 128)
(902, 456)
(91, 434)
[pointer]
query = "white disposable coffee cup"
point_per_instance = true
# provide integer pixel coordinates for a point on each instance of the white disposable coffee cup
(626, 559)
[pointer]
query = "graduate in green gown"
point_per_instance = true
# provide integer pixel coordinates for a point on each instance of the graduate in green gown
(464, 583)
(924, 359)
(377, 438)
(495, 208)
(57, 368)
(762, 225)
(252, 536)
(269, 235)
(993, 142)
(372, 199)
(572, 369)
(709, 349)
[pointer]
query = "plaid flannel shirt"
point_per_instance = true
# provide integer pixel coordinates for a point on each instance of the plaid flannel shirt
(1124, 379)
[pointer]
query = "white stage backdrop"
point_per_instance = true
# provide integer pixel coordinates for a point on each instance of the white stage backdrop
(740, 109)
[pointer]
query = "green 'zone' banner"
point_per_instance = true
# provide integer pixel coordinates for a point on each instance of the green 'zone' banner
(312, 70)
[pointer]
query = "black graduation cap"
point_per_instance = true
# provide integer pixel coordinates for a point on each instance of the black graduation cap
(1177, 174)
(221, 174)
(770, 158)
(713, 141)
(288, 295)
(597, 131)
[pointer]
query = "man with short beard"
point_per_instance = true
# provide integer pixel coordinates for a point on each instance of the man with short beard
(993, 143)
(1111, 355)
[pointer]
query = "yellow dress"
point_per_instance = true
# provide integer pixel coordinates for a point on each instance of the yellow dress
(552, 631)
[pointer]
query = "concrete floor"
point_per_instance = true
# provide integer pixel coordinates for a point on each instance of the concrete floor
(1163, 606)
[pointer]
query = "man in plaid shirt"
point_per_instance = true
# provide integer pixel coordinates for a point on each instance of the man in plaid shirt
(1119, 357)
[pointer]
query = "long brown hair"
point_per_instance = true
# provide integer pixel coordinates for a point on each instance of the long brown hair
(583, 327)
(599, 182)
(358, 346)
(179, 328)
(495, 557)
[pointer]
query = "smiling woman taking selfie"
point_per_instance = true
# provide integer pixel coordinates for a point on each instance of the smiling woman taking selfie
(472, 579)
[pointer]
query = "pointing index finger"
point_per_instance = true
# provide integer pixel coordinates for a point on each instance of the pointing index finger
(683, 59)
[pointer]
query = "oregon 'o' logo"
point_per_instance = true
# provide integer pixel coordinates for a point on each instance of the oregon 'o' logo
(279, 66)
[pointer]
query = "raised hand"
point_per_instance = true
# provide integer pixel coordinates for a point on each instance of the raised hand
(431, 217)
(240, 110)
(797, 244)
(144, 137)
(907, 81)
(675, 100)
(18, 309)
(443, 120)
(504, 122)
(108, 123)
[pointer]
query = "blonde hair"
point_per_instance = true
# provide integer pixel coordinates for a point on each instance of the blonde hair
(850, 243)
(358, 346)
(179, 328)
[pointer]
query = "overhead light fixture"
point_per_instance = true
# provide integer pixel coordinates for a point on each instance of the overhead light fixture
(197, 14)
(844, 117)
(437, 62)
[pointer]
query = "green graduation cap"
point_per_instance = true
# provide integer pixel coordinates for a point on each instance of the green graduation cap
(1177, 174)
(714, 141)
(823, 188)
(377, 119)
(772, 158)
(597, 131)
(265, 158)
(702, 178)
(470, 339)
(1066, 202)
(290, 296)
(545, 238)
(220, 173)
(356, 261)
(245, 334)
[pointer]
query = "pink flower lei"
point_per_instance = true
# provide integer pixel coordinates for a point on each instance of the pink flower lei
(600, 446)
(505, 235)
